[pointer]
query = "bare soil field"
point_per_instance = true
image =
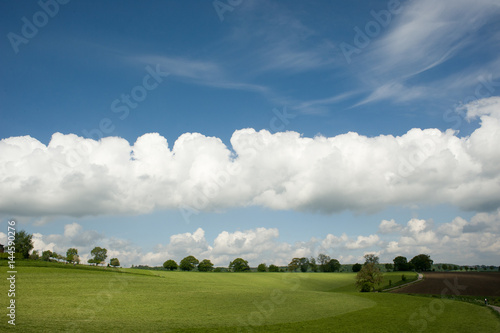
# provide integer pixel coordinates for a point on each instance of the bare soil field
(455, 283)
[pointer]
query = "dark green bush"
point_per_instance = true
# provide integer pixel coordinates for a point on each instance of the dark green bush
(366, 287)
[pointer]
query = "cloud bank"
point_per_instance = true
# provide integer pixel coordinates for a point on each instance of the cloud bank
(463, 242)
(76, 176)
(425, 35)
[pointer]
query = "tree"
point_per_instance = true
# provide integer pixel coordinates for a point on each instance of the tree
(371, 258)
(262, 268)
(70, 254)
(294, 264)
(445, 267)
(170, 264)
(34, 255)
(388, 267)
(46, 255)
(400, 264)
(274, 268)
(368, 277)
(205, 266)
(239, 265)
(333, 265)
(323, 260)
(99, 255)
(54, 255)
(356, 267)
(312, 264)
(114, 262)
(304, 264)
(422, 262)
(23, 243)
(61, 257)
(189, 263)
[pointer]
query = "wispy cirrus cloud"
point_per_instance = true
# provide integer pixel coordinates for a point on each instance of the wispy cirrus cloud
(422, 38)
(280, 43)
(200, 72)
(394, 91)
(320, 106)
(429, 33)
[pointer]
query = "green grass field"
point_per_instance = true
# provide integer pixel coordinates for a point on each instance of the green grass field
(59, 297)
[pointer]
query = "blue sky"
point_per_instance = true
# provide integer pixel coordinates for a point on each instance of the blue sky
(319, 123)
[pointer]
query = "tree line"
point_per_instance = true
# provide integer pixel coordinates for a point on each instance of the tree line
(24, 247)
(98, 254)
(190, 263)
(322, 263)
(421, 262)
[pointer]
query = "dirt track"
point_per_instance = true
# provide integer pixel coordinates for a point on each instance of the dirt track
(455, 283)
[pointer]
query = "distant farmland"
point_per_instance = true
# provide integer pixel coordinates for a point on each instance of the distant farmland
(455, 284)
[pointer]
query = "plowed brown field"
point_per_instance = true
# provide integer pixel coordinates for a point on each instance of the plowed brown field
(455, 283)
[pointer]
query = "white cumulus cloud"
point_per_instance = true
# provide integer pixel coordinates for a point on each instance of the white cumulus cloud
(461, 241)
(76, 176)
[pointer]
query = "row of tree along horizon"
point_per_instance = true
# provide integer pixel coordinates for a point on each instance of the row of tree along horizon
(323, 263)
(23, 244)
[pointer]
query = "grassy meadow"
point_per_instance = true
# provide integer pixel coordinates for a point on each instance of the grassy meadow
(56, 297)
